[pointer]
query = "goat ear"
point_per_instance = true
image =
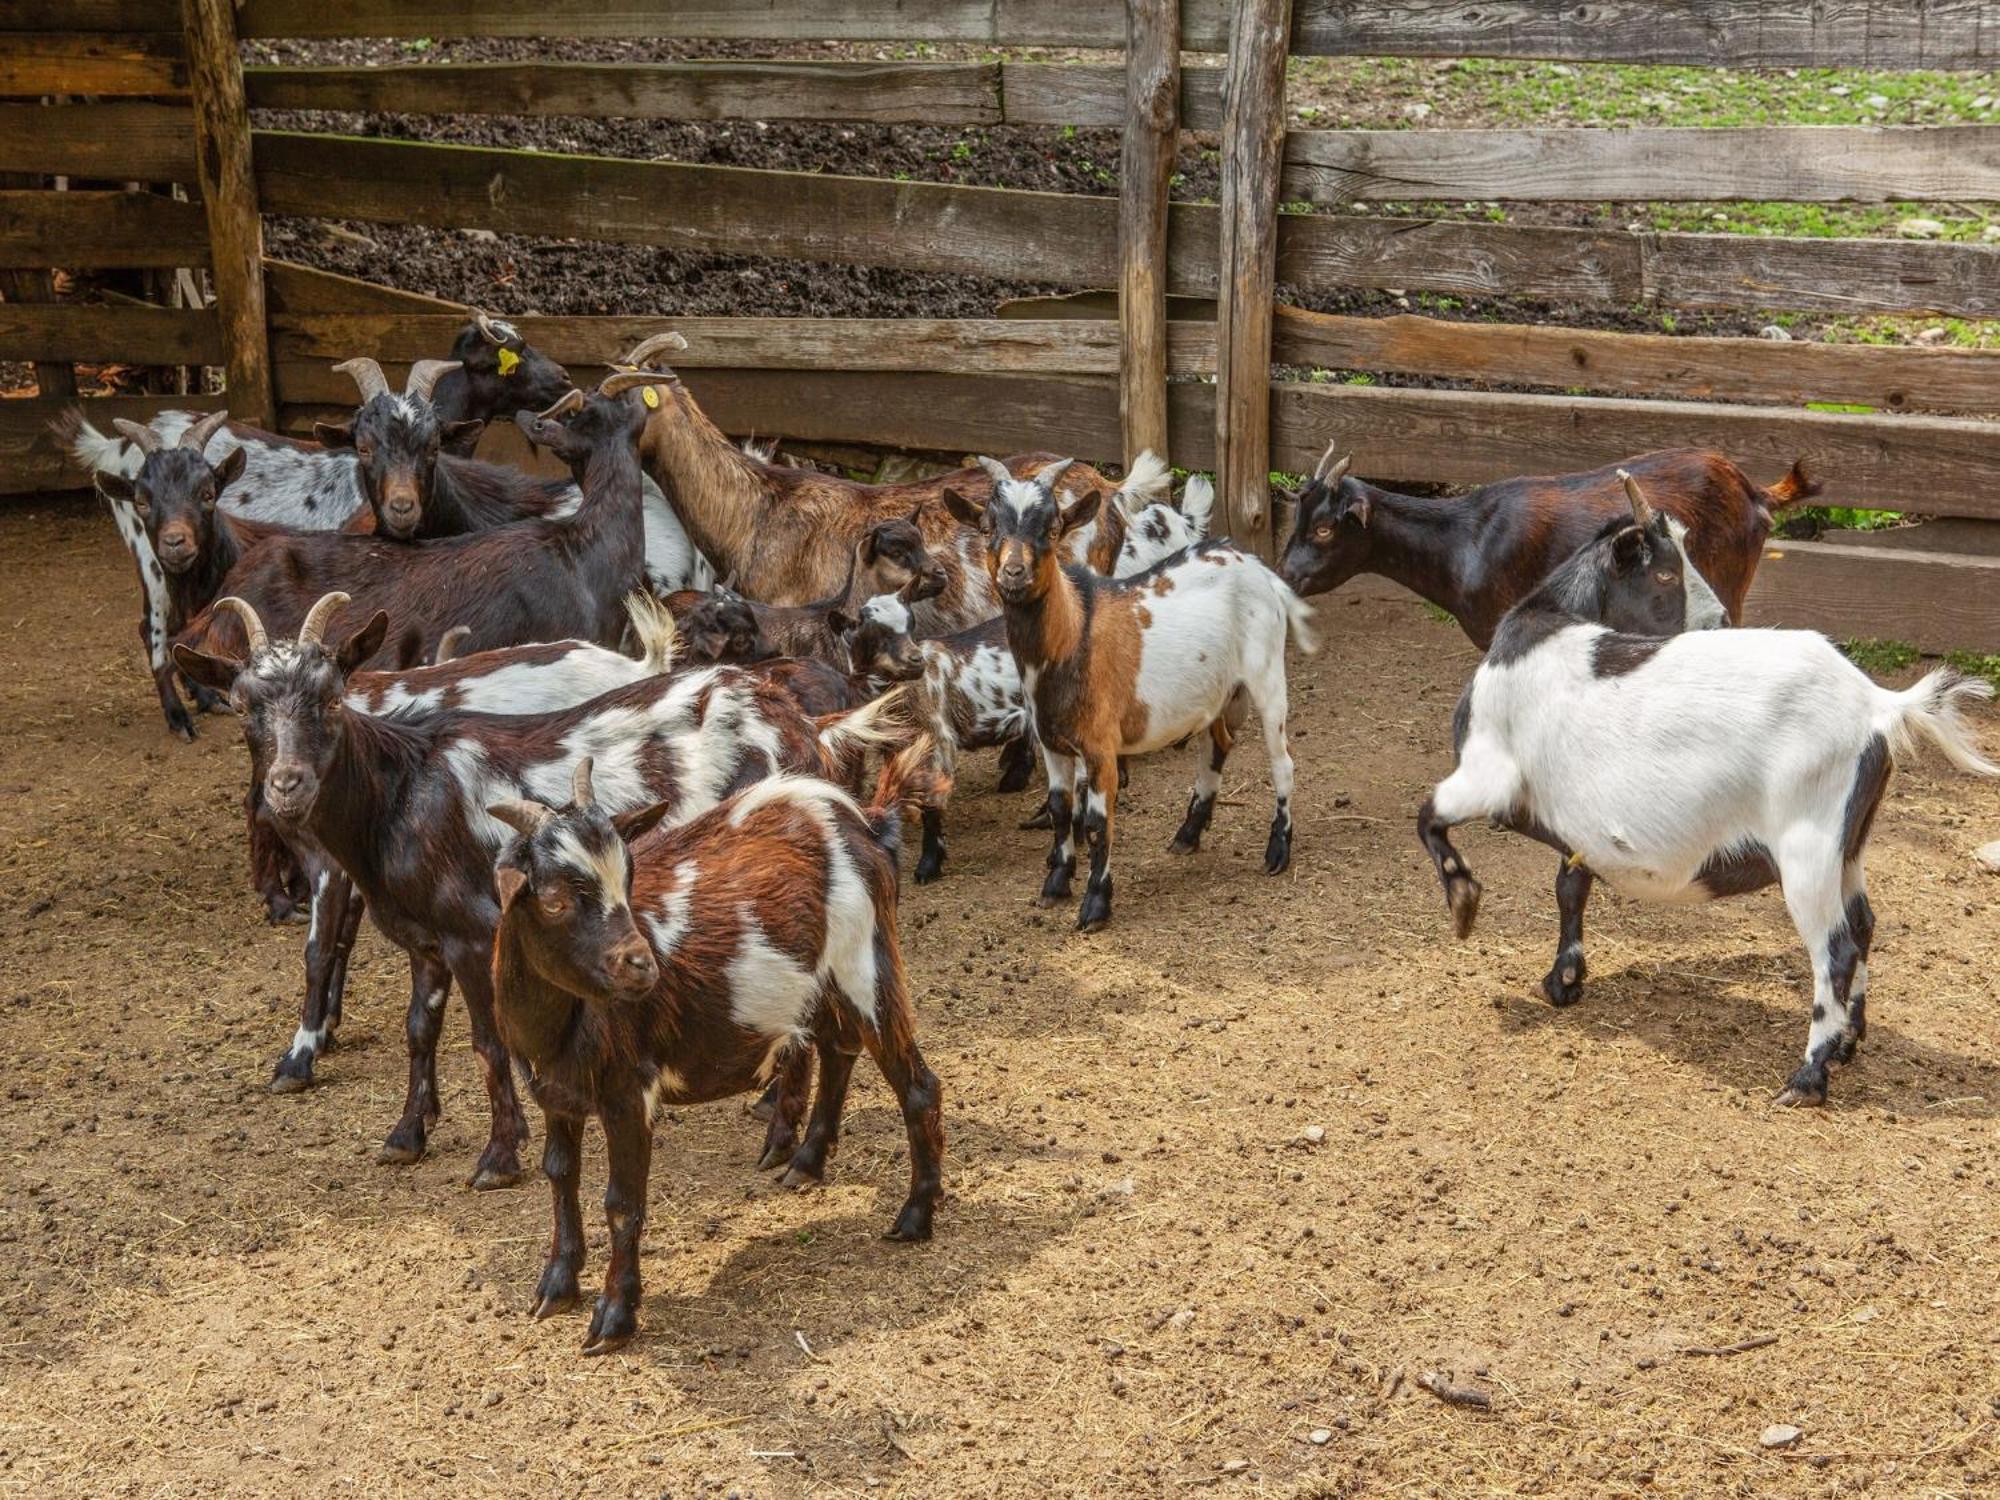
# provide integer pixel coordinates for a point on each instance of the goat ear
(1359, 510)
(334, 434)
(116, 486)
(1629, 549)
(217, 672)
(631, 825)
(966, 512)
(364, 643)
(870, 546)
(509, 881)
(463, 434)
(916, 511)
(231, 468)
(1081, 513)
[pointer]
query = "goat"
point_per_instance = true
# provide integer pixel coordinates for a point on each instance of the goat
(540, 580)
(1124, 666)
(1686, 767)
(786, 534)
(890, 557)
(633, 973)
(1157, 531)
(1479, 554)
(399, 804)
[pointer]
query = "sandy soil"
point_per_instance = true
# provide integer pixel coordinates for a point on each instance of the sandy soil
(1146, 1280)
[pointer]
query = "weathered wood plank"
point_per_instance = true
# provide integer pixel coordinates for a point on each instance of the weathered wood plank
(849, 220)
(1675, 270)
(1789, 163)
(1093, 94)
(1925, 465)
(1146, 162)
(1732, 33)
(132, 335)
(32, 459)
(1253, 134)
(100, 64)
(1889, 378)
(1936, 601)
(882, 93)
(124, 141)
(89, 15)
(91, 230)
(293, 290)
(53, 377)
(229, 189)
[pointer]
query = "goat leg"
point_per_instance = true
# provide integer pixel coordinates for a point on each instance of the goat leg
(325, 961)
(1097, 808)
(1564, 982)
(628, 1136)
(836, 1068)
(917, 1090)
(430, 986)
(790, 1087)
(1461, 891)
(562, 1164)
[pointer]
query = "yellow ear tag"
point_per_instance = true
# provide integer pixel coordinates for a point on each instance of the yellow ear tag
(650, 394)
(1576, 860)
(509, 361)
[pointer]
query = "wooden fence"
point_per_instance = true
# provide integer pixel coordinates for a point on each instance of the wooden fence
(166, 103)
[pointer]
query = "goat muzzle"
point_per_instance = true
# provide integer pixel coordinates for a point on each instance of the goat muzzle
(289, 790)
(630, 968)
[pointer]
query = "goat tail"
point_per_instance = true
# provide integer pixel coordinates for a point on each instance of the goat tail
(1149, 479)
(653, 628)
(877, 725)
(913, 781)
(1298, 613)
(92, 450)
(1797, 487)
(1932, 709)
(1198, 502)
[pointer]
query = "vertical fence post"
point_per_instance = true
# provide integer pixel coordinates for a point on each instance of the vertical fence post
(1152, 131)
(1253, 138)
(229, 193)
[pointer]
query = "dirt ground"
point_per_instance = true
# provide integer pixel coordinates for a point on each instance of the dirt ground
(1152, 1272)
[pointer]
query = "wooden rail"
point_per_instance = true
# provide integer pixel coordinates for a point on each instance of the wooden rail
(131, 335)
(90, 230)
(123, 141)
(100, 64)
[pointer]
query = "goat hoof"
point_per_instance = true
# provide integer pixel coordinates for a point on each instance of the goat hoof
(766, 1104)
(1464, 893)
(612, 1327)
(1277, 860)
(1183, 844)
(1563, 985)
(1036, 820)
(1806, 1090)
(1094, 915)
(775, 1156)
(799, 1177)
(400, 1151)
(556, 1291)
(929, 869)
(181, 726)
(292, 1077)
(912, 1226)
(503, 1172)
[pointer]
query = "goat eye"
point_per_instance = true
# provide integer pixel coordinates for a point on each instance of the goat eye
(1664, 577)
(1323, 531)
(555, 903)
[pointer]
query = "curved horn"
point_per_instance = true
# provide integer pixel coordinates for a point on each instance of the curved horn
(1331, 477)
(619, 381)
(1000, 472)
(320, 616)
(197, 436)
(1052, 474)
(580, 793)
(569, 401)
(1642, 511)
(252, 626)
(367, 374)
(522, 817)
(647, 349)
(490, 329)
(424, 374)
(147, 439)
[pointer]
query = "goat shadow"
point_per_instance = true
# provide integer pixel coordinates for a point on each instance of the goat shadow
(1721, 1016)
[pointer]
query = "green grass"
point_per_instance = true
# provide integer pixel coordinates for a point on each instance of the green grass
(1438, 616)
(1878, 657)
(1962, 222)
(1975, 664)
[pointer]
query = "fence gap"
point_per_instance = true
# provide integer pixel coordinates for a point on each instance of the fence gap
(229, 194)
(1152, 132)
(1253, 138)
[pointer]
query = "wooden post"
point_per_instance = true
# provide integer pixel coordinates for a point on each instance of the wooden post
(1253, 138)
(1152, 131)
(229, 192)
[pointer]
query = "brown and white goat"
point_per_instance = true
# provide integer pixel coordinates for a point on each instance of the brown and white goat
(634, 972)
(1479, 554)
(1113, 667)
(786, 534)
(399, 803)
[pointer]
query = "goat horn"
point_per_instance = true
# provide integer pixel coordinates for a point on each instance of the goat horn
(1325, 462)
(580, 792)
(147, 439)
(424, 374)
(522, 817)
(1339, 471)
(1642, 511)
(252, 626)
(367, 374)
(320, 616)
(1051, 474)
(1000, 472)
(569, 401)
(646, 350)
(198, 434)
(619, 381)
(493, 332)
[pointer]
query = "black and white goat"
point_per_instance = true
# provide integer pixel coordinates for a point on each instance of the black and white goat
(1113, 667)
(1683, 767)
(698, 963)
